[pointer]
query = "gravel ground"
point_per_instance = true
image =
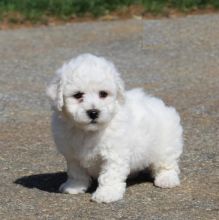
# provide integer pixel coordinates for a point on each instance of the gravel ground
(176, 59)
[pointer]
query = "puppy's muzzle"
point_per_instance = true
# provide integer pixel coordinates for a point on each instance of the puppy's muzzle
(93, 113)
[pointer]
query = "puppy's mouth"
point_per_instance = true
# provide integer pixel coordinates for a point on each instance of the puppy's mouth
(93, 121)
(93, 125)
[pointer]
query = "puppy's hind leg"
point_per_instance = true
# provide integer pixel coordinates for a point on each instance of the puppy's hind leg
(78, 180)
(166, 176)
(166, 169)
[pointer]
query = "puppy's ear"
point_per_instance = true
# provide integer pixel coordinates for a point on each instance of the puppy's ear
(120, 90)
(55, 91)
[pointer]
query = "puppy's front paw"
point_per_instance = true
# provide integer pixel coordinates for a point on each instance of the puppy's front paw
(167, 179)
(108, 194)
(72, 186)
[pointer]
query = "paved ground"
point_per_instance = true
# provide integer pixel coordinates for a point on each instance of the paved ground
(176, 59)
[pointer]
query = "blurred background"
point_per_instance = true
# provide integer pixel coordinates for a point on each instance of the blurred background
(32, 12)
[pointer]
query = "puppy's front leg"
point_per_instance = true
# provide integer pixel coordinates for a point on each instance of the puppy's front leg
(78, 180)
(112, 181)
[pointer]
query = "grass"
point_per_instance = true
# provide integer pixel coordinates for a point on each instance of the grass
(38, 11)
(158, 6)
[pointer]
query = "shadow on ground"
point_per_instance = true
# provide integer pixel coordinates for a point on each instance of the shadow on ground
(50, 182)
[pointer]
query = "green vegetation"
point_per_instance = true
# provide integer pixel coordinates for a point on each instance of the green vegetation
(158, 6)
(40, 10)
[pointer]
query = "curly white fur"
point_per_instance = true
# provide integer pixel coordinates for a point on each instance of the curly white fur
(131, 132)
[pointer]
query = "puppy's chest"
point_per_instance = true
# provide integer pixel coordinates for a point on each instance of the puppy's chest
(88, 153)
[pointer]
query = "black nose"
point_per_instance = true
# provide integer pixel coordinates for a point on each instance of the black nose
(93, 113)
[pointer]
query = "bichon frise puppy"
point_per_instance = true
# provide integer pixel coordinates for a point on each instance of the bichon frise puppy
(108, 133)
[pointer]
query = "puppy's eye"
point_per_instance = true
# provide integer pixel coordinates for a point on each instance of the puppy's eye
(103, 94)
(78, 95)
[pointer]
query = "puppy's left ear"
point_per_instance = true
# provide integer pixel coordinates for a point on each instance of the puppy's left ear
(120, 90)
(55, 91)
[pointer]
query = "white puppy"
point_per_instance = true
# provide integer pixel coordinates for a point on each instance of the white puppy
(107, 133)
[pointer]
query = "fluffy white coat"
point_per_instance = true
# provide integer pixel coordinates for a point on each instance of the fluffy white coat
(126, 132)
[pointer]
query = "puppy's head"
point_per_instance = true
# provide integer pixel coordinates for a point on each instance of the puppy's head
(88, 91)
